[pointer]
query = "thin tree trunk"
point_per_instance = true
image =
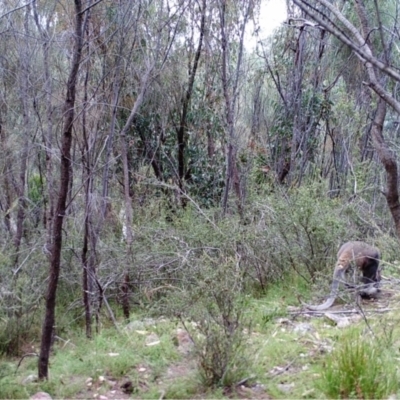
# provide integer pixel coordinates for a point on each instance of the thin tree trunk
(65, 169)
(388, 160)
(24, 154)
(48, 129)
(351, 36)
(181, 133)
(127, 189)
(6, 173)
(230, 83)
(296, 100)
(386, 156)
(88, 269)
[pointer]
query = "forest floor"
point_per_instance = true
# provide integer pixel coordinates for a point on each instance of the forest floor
(154, 358)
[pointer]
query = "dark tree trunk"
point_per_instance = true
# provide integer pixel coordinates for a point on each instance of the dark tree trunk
(230, 91)
(125, 295)
(25, 149)
(388, 160)
(182, 129)
(65, 169)
(358, 43)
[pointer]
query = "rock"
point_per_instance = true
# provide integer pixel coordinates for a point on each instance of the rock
(183, 341)
(40, 396)
(342, 322)
(139, 325)
(303, 328)
(286, 387)
(152, 340)
(29, 379)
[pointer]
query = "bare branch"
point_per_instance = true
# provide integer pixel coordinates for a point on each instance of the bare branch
(359, 46)
(17, 8)
(90, 6)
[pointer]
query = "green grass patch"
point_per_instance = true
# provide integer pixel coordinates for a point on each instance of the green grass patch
(359, 368)
(110, 354)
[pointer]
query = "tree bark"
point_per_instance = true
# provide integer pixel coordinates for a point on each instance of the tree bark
(356, 39)
(230, 83)
(21, 187)
(181, 133)
(388, 160)
(48, 129)
(65, 170)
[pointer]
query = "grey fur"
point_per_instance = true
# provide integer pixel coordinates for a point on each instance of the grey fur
(366, 258)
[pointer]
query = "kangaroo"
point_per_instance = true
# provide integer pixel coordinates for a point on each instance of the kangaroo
(366, 259)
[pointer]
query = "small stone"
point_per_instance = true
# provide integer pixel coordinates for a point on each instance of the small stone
(29, 379)
(286, 387)
(303, 328)
(152, 340)
(184, 341)
(40, 396)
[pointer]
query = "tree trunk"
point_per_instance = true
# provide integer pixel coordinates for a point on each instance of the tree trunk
(24, 88)
(47, 133)
(388, 160)
(65, 169)
(230, 83)
(355, 38)
(182, 129)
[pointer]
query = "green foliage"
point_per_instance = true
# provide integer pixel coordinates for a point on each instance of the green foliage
(358, 368)
(111, 354)
(215, 307)
(206, 177)
(183, 388)
(10, 390)
(20, 295)
(303, 230)
(35, 189)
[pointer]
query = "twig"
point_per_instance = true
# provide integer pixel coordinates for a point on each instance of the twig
(181, 192)
(25, 355)
(244, 380)
(353, 311)
(284, 369)
(341, 311)
(65, 341)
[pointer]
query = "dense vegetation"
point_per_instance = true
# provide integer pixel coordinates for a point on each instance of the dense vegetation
(161, 177)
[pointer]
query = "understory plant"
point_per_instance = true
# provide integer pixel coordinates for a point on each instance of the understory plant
(212, 311)
(359, 368)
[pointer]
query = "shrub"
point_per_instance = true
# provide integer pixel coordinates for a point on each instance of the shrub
(19, 303)
(302, 230)
(212, 312)
(358, 368)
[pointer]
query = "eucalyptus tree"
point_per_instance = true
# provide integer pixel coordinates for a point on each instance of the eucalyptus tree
(46, 32)
(373, 39)
(64, 185)
(233, 20)
(298, 65)
(17, 109)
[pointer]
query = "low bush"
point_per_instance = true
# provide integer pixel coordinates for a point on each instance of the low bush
(212, 311)
(358, 368)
